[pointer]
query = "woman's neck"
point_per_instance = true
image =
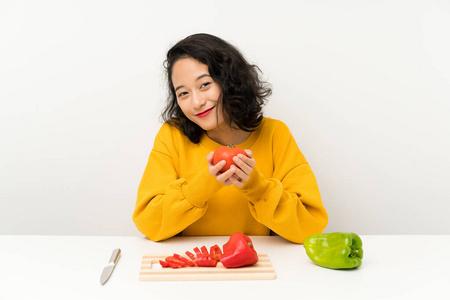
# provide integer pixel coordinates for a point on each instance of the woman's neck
(228, 136)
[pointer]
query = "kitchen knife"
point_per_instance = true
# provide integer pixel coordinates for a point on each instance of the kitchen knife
(107, 271)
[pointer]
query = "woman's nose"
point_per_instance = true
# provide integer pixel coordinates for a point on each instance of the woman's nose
(198, 100)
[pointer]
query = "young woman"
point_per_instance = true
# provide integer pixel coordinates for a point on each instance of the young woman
(216, 98)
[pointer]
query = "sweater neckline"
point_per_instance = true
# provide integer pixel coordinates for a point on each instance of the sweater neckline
(212, 145)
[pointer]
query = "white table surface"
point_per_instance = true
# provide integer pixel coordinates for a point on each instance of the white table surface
(69, 267)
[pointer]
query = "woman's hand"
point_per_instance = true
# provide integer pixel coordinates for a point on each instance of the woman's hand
(235, 175)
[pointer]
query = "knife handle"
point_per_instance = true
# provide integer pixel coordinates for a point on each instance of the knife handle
(115, 256)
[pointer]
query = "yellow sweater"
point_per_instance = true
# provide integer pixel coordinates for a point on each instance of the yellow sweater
(177, 193)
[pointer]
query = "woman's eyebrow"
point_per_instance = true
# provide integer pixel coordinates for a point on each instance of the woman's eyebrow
(198, 78)
(201, 76)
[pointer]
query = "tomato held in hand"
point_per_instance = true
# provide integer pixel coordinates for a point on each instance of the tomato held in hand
(226, 153)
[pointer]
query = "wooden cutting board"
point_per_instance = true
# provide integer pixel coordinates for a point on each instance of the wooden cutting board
(151, 270)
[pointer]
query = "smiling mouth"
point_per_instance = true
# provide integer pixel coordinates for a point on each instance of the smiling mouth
(205, 113)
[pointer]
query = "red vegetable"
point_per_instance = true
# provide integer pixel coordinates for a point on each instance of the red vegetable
(174, 263)
(215, 252)
(164, 264)
(238, 252)
(198, 253)
(226, 153)
(203, 258)
(184, 259)
(191, 256)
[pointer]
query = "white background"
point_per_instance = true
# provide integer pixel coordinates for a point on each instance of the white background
(363, 86)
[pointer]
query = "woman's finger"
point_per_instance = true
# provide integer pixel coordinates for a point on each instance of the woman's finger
(215, 169)
(238, 182)
(223, 177)
(241, 175)
(209, 157)
(244, 163)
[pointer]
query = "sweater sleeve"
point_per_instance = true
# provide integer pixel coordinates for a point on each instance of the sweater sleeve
(167, 204)
(289, 203)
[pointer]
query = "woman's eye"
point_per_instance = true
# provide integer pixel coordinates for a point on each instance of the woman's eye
(205, 84)
(182, 94)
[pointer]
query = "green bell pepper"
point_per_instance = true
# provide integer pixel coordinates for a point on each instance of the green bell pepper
(337, 250)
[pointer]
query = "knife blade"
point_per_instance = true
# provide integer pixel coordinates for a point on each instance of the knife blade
(107, 271)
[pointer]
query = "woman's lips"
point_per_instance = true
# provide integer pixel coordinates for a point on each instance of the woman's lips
(204, 113)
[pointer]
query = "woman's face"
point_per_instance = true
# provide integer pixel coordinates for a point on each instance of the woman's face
(197, 93)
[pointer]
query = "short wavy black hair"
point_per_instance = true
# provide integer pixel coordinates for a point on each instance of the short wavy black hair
(243, 92)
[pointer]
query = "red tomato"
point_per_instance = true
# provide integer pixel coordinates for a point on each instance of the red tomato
(226, 153)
